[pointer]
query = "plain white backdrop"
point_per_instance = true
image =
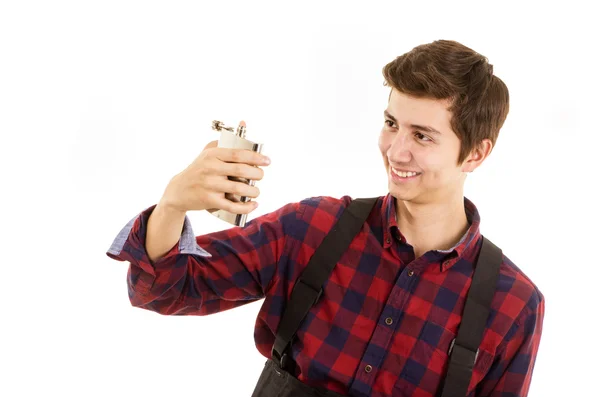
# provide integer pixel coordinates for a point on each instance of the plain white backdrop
(101, 103)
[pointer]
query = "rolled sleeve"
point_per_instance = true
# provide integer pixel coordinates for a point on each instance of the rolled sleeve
(204, 274)
(135, 230)
(130, 245)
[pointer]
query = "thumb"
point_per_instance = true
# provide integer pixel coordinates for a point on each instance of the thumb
(211, 144)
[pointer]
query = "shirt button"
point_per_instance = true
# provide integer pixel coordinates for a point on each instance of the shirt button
(368, 369)
(410, 273)
(389, 321)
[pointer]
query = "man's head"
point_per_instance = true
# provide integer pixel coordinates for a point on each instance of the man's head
(443, 118)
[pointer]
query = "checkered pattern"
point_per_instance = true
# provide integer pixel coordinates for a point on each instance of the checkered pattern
(386, 320)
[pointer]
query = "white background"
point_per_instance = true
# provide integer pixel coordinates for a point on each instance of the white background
(101, 103)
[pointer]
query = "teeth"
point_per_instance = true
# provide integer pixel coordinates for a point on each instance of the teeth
(404, 174)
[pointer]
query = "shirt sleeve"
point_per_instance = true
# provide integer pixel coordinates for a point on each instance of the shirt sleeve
(204, 274)
(511, 372)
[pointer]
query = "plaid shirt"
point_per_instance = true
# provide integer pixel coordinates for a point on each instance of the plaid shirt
(385, 321)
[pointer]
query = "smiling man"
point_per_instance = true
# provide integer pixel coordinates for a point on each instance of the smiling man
(397, 295)
(420, 152)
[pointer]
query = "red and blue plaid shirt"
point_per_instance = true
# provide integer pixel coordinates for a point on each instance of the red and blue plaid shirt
(385, 322)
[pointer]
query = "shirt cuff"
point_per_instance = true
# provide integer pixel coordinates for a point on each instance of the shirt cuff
(135, 230)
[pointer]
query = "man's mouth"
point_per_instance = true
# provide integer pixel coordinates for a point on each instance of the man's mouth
(405, 174)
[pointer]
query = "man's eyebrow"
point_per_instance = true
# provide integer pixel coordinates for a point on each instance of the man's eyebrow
(417, 126)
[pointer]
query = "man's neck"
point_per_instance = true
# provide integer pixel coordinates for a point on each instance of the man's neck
(432, 226)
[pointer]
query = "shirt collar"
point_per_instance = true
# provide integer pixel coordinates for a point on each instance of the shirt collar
(449, 257)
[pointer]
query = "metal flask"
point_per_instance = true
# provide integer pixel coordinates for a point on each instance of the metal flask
(234, 140)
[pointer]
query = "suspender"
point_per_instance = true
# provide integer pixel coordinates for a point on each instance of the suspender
(464, 349)
(308, 289)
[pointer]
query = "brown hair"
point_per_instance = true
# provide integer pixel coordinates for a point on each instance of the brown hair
(446, 69)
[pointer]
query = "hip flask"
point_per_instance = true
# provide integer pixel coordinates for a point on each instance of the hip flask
(234, 139)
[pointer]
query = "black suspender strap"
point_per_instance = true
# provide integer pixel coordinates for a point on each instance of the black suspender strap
(308, 287)
(464, 349)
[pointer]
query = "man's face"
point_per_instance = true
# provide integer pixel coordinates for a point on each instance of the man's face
(406, 144)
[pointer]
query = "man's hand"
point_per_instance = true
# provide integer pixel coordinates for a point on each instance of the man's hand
(204, 183)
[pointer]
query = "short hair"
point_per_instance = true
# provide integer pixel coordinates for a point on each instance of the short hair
(446, 69)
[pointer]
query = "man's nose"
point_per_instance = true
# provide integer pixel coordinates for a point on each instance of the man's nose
(399, 150)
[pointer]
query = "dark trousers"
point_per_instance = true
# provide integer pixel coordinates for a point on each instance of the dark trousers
(275, 382)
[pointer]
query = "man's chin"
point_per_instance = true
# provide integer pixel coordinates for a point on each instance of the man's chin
(399, 194)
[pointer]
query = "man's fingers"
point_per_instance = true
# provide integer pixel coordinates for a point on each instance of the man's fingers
(237, 188)
(242, 156)
(242, 171)
(236, 208)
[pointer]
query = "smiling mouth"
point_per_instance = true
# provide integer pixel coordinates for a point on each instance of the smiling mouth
(404, 175)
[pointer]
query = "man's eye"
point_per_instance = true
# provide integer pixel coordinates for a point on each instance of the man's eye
(425, 136)
(421, 137)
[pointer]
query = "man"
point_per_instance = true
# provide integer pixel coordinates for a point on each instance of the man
(388, 314)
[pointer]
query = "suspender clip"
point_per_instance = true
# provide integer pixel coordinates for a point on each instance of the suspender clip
(465, 350)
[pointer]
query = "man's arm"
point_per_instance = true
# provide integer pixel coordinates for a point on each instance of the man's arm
(165, 226)
(200, 275)
(510, 374)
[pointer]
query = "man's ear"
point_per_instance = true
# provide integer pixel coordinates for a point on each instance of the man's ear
(477, 156)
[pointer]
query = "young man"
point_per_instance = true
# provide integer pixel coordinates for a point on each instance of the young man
(388, 314)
